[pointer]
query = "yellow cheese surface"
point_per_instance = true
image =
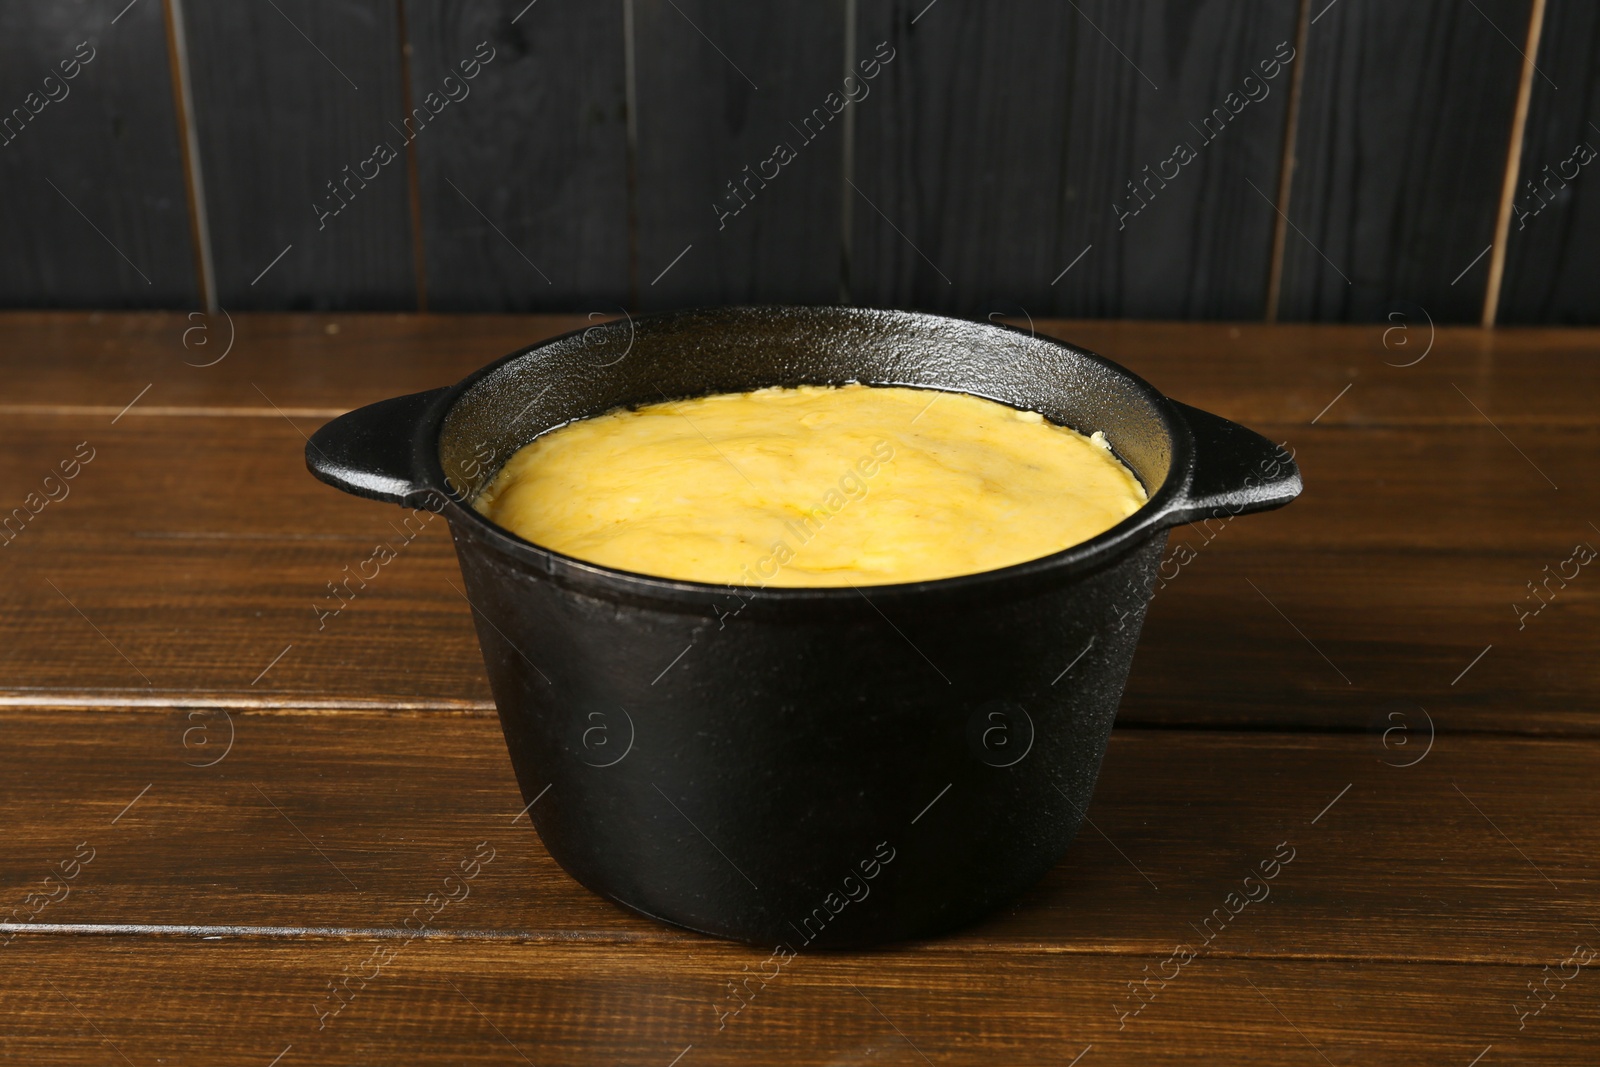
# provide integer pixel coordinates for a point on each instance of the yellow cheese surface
(814, 486)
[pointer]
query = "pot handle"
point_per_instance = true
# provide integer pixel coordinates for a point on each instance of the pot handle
(372, 452)
(1236, 470)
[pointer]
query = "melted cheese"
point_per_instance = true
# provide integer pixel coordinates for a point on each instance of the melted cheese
(815, 486)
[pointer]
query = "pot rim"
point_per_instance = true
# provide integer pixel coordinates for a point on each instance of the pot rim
(1156, 515)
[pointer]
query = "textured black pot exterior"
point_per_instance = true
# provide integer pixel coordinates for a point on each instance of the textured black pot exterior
(807, 767)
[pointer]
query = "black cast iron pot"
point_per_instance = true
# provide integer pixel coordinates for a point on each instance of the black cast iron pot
(804, 767)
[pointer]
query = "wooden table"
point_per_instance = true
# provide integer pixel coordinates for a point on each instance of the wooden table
(215, 811)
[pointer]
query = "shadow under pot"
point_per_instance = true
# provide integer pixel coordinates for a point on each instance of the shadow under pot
(810, 767)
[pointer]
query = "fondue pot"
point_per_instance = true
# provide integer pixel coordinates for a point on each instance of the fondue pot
(803, 767)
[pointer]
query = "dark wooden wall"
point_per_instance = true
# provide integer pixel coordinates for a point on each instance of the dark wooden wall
(1234, 159)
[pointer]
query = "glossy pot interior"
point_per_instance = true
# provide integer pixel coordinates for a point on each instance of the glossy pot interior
(805, 767)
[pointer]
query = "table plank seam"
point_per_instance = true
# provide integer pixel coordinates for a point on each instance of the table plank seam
(349, 708)
(669, 940)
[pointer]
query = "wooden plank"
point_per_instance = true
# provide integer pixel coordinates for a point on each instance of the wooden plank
(1272, 637)
(314, 366)
(573, 1004)
(226, 1003)
(969, 203)
(720, 89)
(524, 180)
(1552, 258)
(287, 95)
(247, 363)
(90, 164)
(1401, 146)
(1466, 489)
(1407, 557)
(1404, 372)
(1179, 818)
(202, 618)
